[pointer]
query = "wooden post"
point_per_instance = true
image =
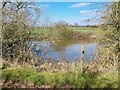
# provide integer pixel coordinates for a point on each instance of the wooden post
(82, 57)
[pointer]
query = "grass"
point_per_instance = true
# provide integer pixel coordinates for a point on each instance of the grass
(39, 30)
(84, 29)
(78, 29)
(61, 78)
(60, 32)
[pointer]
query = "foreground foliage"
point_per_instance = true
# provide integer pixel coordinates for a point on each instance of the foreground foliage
(110, 39)
(33, 78)
(15, 29)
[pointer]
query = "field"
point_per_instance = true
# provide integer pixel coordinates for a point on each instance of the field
(76, 29)
(84, 29)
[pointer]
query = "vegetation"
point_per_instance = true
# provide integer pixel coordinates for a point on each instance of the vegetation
(19, 68)
(110, 46)
(47, 79)
(61, 31)
(15, 30)
(45, 30)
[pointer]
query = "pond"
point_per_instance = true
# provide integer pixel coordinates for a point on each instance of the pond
(64, 50)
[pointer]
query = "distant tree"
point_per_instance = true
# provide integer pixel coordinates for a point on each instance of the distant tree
(76, 24)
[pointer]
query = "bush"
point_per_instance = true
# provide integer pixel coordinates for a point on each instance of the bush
(61, 31)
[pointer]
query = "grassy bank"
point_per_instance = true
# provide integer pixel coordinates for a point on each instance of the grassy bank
(29, 77)
(60, 32)
(45, 30)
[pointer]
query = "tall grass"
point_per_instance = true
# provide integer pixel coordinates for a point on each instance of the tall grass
(60, 78)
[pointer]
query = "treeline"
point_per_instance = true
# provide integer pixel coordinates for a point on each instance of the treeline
(92, 26)
(50, 27)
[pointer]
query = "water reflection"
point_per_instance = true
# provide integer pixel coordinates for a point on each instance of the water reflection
(64, 50)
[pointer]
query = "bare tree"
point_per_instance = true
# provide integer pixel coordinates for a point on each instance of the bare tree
(16, 18)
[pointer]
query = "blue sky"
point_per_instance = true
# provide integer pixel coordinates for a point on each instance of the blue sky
(72, 12)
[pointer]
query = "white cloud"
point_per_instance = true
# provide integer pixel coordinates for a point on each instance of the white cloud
(90, 11)
(85, 11)
(79, 5)
(44, 5)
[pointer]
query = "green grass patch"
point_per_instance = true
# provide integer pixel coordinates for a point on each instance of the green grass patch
(84, 29)
(47, 30)
(75, 79)
(39, 30)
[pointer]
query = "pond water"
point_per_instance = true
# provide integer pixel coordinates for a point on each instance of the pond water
(64, 50)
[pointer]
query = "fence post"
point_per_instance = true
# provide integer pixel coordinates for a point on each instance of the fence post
(82, 58)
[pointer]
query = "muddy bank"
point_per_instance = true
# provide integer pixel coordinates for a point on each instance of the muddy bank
(82, 36)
